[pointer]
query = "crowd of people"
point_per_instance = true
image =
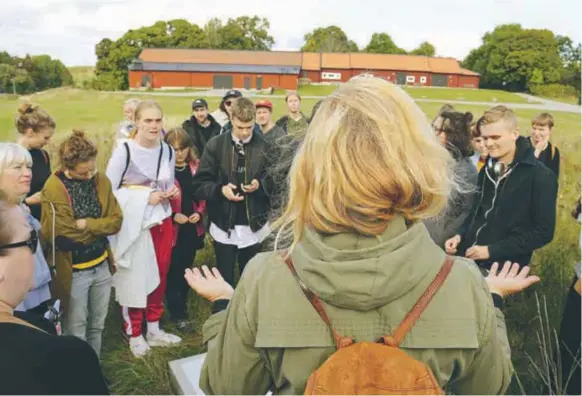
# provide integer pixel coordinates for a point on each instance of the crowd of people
(359, 205)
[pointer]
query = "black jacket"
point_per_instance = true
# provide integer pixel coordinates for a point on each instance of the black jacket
(515, 215)
(201, 135)
(217, 169)
(550, 157)
(36, 363)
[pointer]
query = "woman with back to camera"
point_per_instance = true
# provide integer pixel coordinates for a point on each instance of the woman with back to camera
(15, 177)
(79, 212)
(35, 128)
(141, 172)
(357, 241)
(33, 362)
(453, 129)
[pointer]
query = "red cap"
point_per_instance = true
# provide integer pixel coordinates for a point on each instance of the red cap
(264, 103)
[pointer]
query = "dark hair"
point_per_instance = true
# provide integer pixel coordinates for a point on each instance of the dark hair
(33, 117)
(76, 149)
(457, 129)
(543, 119)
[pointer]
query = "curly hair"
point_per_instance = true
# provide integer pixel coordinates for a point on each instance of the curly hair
(33, 117)
(76, 149)
(457, 129)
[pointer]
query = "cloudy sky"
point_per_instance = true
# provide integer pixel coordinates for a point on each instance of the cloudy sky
(69, 29)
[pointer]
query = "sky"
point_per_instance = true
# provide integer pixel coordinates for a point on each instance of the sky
(70, 29)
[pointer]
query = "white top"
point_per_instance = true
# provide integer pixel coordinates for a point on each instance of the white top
(142, 168)
(242, 236)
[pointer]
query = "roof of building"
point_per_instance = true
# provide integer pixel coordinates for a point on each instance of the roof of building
(293, 60)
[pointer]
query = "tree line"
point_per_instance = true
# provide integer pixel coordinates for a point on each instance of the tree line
(23, 75)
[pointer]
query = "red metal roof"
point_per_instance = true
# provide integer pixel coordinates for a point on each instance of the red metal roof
(308, 60)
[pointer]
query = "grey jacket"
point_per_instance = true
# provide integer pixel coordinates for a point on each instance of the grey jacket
(452, 217)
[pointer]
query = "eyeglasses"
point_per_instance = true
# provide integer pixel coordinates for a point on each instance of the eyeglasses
(32, 243)
(228, 103)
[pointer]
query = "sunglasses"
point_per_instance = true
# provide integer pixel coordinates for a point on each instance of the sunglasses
(228, 103)
(32, 243)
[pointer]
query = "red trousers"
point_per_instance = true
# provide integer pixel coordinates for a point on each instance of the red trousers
(162, 237)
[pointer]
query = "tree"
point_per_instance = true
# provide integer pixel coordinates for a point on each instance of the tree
(212, 32)
(425, 48)
(114, 57)
(328, 39)
(510, 54)
(246, 33)
(9, 75)
(382, 43)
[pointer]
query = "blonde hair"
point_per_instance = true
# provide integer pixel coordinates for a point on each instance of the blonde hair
(13, 154)
(367, 156)
(141, 107)
(133, 102)
(495, 115)
(33, 117)
(243, 109)
(180, 136)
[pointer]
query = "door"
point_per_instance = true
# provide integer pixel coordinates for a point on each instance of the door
(440, 80)
(146, 81)
(222, 82)
(401, 78)
(247, 83)
(259, 82)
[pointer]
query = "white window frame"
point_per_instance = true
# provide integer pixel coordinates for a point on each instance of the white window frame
(423, 79)
(410, 79)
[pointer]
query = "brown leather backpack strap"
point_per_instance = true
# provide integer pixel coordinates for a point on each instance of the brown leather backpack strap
(420, 305)
(340, 342)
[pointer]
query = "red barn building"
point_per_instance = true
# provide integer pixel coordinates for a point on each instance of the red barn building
(185, 68)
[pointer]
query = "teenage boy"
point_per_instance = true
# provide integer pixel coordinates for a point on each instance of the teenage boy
(544, 151)
(201, 126)
(515, 212)
(231, 178)
(271, 131)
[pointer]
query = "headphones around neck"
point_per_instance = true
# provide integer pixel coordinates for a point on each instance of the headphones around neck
(497, 168)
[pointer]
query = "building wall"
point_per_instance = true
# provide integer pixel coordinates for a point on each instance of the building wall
(194, 79)
(203, 80)
(468, 81)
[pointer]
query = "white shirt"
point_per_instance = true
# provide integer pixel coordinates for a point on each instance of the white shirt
(242, 236)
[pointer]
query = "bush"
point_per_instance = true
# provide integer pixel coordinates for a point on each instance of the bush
(553, 91)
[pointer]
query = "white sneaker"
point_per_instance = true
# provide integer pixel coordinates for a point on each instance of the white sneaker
(162, 339)
(138, 346)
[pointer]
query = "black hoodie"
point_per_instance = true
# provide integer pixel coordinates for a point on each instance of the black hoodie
(201, 135)
(514, 215)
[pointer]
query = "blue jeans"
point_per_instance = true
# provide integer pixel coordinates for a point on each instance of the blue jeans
(88, 305)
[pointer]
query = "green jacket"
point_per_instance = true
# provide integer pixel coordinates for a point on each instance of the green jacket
(55, 195)
(271, 338)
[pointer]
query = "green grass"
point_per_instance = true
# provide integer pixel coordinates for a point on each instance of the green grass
(82, 74)
(434, 93)
(99, 112)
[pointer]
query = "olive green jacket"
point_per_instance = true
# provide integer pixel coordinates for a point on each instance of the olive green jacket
(55, 196)
(271, 338)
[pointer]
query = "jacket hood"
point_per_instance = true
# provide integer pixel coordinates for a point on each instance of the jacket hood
(524, 151)
(362, 273)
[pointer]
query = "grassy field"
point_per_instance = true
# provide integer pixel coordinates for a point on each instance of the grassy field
(98, 114)
(462, 94)
(81, 74)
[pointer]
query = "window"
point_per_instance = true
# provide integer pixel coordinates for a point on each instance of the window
(331, 76)
(410, 79)
(423, 80)
(304, 74)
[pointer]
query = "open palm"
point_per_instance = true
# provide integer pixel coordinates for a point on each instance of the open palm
(209, 284)
(510, 279)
